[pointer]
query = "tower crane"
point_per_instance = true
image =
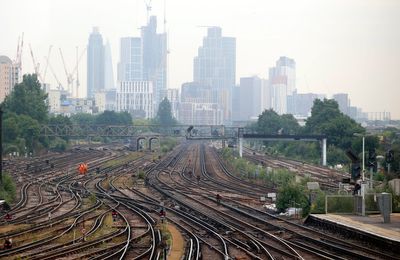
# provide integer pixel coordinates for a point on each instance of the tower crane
(60, 86)
(47, 63)
(36, 65)
(20, 46)
(71, 76)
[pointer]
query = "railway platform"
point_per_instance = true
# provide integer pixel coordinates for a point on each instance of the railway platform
(369, 228)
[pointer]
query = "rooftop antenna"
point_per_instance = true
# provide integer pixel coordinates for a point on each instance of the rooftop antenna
(165, 18)
(148, 9)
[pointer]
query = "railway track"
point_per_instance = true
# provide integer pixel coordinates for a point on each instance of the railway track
(107, 215)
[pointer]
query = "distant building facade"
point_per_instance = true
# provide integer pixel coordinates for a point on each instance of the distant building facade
(200, 113)
(300, 104)
(130, 66)
(343, 101)
(154, 47)
(215, 66)
(109, 82)
(95, 63)
(198, 105)
(144, 58)
(248, 98)
(136, 97)
(9, 76)
(282, 80)
(173, 97)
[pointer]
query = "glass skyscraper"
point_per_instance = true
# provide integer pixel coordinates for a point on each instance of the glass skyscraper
(215, 66)
(154, 47)
(95, 63)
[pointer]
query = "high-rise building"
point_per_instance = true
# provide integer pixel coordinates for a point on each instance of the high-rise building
(109, 82)
(282, 79)
(130, 66)
(9, 76)
(301, 104)
(198, 105)
(249, 98)
(173, 97)
(95, 63)
(265, 95)
(136, 97)
(154, 47)
(215, 66)
(343, 101)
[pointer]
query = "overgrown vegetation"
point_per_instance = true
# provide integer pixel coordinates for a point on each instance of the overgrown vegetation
(167, 144)
(290, 192)
(7, 188)
(326, 119)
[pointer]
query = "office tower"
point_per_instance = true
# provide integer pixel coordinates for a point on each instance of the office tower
(301, 104)
(95, 63)
(9, 76)
(136, 97)
(130, 66)
(109, 82)
(154, 51)
(343, 101)
(197, 105)
(215, 66)
(282, 80)
(249, 98)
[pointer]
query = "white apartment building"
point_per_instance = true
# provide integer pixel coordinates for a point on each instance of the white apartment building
(54, 98)
(136, 97)
(200, 113)
(100, 101)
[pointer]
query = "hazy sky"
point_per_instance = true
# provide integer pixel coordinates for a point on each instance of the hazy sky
(348, 46)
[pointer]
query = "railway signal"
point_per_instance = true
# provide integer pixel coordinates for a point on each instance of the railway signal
(389, 158)
(372, 160)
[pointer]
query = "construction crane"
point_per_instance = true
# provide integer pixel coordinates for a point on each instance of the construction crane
(20, 46)
(71, 76)
(36, 65)
(47, 63)
(76, 69)
(60, 86)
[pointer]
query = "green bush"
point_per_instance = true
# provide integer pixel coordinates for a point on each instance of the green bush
(341, 204)
(7, 189)
(292, 195)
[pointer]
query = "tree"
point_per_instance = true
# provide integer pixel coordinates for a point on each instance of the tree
(292, 195)
(164, 115)
(27, 98)
(269, 122)
(327, 119)
(113, 118)
(83, 119)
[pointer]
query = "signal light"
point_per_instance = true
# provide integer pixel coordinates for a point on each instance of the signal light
(355, 171)
(389, 156)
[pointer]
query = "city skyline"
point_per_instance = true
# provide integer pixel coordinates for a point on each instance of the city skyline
(338, 48)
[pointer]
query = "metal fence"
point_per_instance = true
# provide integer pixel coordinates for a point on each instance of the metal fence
(349, 204)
